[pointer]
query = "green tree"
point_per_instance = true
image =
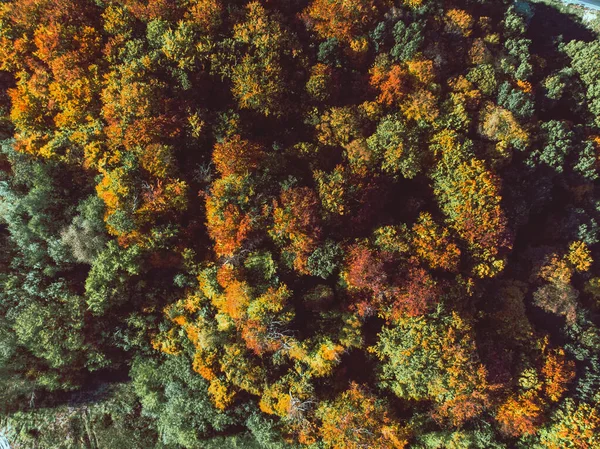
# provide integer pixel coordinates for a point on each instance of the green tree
(582, 55)
(177, 398)
(435, 358)
(397, 147)
(259, 80)
(559, 140)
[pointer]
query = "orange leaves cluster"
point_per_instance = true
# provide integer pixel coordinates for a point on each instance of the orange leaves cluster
(365, 270)
(237, 156)
(525, 86)
(433, 245)
(236, 299)
(157, 160)
(338, 126)
(421, 70)
(341, 19)
(523, 412)
(112, 189)
(520, 414)
(257, 338)
(479, 219)
(228, 224)
(407, 85)
(392, 83)
(377, 287)
(357, 419)
(207, 14)
(416, 296)
(164, 197)
(296, 223)
(229, 227)
(576, 425)
(464, 407)
(236, 295)
(148, 10)
(228, 220)
(141, 134)
(580, 256)
(459, 21)
(557, 372)
(29, 103)
(53, 48)
(556, 270)
(421, 106)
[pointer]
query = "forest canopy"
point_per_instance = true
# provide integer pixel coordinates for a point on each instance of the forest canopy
(321, 224)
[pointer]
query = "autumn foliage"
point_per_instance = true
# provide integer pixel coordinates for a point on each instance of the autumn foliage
(357, 419)
(330, 224)
(342, 20)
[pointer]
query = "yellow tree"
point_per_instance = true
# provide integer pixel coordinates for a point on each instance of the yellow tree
(341, 19)
(296, 224)
(469, 195)
(432, 244)
(357, 419)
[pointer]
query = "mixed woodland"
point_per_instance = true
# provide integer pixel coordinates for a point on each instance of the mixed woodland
(321, 224)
